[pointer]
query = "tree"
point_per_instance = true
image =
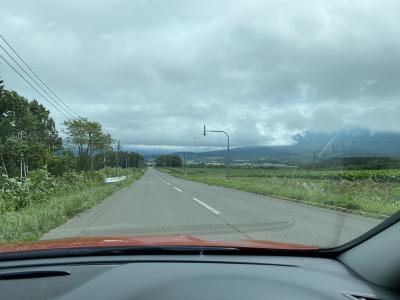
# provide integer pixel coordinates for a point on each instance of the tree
(103, 144)
(44, 126)
(61, 163)
(129, 159)
(27, 134)
(173, 161)
(89, 139)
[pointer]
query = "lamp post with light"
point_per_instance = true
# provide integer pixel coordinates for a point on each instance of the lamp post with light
(227, 148)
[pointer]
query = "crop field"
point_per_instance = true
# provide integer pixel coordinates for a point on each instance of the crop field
(370, 192)
(383, 175)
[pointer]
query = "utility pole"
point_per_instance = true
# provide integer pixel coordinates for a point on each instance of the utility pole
(116, 153)
(227, 148)
(116, 157)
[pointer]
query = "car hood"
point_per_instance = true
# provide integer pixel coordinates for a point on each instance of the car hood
(163, 240)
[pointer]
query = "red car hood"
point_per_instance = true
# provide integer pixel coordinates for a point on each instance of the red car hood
(164, 240)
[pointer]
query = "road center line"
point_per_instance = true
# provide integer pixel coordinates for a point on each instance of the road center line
(207, 206)
(178, 189)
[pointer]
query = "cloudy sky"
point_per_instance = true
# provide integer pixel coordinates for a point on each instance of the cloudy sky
(153, 72)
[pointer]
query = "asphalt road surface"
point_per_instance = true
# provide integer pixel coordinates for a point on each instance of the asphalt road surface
(159, 203)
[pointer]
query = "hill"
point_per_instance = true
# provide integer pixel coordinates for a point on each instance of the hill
(344, 143)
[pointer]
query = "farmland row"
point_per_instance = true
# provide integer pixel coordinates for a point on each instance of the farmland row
(382, 175)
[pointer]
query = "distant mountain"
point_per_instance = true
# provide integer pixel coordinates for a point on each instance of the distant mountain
(187, 155)
(153, 152)
(344, 143)
(350, 143)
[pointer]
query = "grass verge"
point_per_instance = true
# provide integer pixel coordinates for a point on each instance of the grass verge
(364, 197)
(31, 222)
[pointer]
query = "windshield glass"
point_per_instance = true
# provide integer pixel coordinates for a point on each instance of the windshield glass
(222, 120)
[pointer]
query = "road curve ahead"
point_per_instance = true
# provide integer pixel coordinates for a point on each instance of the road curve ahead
(159, 203)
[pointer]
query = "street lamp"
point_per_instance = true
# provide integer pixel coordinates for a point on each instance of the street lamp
(227, 148)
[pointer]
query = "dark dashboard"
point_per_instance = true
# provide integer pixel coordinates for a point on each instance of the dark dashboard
(185, 277)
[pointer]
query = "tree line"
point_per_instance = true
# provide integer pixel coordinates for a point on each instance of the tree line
(169, 161)
(29, 140)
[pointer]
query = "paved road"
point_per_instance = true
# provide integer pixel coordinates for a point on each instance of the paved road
(159, 203)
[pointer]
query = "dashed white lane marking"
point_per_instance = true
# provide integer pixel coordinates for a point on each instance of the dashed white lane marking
(162, 179)
(179, 190)
(207, 206)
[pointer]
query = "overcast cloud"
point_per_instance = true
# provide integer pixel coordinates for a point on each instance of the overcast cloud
(153, 72)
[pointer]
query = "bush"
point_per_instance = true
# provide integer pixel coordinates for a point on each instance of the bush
(16, 193)
(32, 221)
(58, 165)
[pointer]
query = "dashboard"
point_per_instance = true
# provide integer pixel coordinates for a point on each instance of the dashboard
(185, 277)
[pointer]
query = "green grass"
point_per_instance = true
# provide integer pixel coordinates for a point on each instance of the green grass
(31, 222)
(366, 195)
(381, 175)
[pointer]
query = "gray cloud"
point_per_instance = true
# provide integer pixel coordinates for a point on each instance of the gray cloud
(153, 72)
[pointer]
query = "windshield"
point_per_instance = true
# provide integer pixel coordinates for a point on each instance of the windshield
(221, 120)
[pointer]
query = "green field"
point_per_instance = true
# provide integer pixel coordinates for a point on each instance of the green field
(40, 214)
(371, 192)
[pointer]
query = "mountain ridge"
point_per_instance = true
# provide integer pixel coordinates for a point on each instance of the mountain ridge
(359, 142)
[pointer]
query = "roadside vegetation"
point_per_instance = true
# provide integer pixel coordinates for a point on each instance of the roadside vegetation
(55, 203)
(45, 179)
(371, 192)
(171, 161)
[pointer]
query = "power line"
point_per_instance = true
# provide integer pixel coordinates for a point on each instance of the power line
(61, 112)
(35, 81)
(34, 73)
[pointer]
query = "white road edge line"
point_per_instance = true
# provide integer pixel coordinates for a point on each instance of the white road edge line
(168, 183)
(179, 190)
(207, 206)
